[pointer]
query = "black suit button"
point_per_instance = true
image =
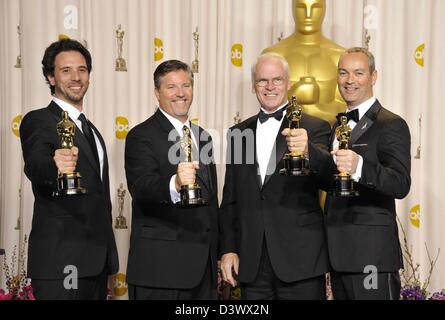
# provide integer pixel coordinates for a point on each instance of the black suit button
(208, 230)
(263, 197)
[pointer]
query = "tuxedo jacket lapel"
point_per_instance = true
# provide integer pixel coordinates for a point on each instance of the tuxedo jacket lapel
(333, 137)
(102, 142)
(197, 132)
(362, 126)
(276, 157)
(365, 122)
(79, 139)
(167, 127)
(254, 169)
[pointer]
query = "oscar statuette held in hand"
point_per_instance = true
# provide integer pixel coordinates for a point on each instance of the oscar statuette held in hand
(295, 163)
(344, 184)
(191, 195)
(68, 183)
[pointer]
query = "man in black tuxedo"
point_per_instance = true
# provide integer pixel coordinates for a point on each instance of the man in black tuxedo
(271, 226)
(362, 231)
(72, 249)
(173, 250)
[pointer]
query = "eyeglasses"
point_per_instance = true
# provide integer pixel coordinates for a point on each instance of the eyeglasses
(275, 81)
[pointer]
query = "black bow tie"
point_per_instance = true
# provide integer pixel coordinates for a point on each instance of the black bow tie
(351, 115)
(263, 117)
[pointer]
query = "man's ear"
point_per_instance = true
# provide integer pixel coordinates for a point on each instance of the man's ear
(51, 80)
(157, 94)
(374, 77)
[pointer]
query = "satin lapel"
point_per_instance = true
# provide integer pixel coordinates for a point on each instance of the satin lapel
(365, 123)
(166, 125)
(276, 157)
(197, 133)
(79, 139)
(171, 132)
(332, 138)
(254, 169)
(56, 110)
(102, 142)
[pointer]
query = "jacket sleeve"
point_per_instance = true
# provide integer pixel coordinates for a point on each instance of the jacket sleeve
(390, 174)
(320, 160)
(39, 141)
(143, 170)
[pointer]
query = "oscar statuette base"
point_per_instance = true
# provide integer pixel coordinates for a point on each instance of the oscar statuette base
(191, 197)
(69, 184)
(295, 165)
(344, 186)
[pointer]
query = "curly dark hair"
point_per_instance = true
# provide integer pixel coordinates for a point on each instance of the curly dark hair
(57, 47)
(170, 66)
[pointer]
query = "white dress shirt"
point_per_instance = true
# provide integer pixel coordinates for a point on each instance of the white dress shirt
(266, 136)
(74, 115)
(362, 109)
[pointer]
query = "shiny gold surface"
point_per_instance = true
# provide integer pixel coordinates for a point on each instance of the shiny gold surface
(312, 61)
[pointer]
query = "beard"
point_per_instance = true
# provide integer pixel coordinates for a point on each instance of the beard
(69, 96)
(75, 97)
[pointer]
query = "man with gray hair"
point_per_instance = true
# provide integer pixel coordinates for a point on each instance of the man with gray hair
(271, 226)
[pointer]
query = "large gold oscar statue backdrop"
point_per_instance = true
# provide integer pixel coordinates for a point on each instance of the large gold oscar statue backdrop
(312, 61)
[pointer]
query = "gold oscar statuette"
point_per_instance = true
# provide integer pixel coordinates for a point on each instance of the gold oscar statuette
(121, 64)
(344, 184)
(195, 63)
(295, 163)
(68, 183)
(18, 63)
(191, 195)
(313, 60)
(121, 221)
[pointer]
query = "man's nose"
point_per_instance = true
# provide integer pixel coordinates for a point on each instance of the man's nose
(270, 85)
(75, 76)
(180, 92)
(350, 78)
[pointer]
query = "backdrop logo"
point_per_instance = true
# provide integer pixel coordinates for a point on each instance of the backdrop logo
(122, 127)
(15, 125)
(120, 285)
(414, 215)
(237, 55)
(159, 49)
(419, 55)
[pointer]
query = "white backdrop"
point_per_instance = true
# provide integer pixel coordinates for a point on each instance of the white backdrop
(222, 88)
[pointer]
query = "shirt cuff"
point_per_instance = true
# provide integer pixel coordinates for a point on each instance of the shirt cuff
(174, 195)
(358, 172)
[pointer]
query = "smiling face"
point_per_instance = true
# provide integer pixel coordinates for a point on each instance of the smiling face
(270, 83)
(71, 78)
(309, 15)
(355, 79)
(175, 94)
